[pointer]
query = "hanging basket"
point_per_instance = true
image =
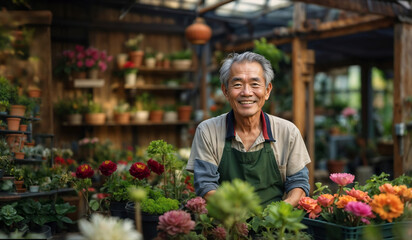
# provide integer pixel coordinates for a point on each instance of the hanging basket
(198, 32)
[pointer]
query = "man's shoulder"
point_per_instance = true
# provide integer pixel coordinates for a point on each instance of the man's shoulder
(280, 122)
(214, 122)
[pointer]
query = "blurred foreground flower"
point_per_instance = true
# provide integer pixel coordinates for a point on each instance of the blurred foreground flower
(108, 228)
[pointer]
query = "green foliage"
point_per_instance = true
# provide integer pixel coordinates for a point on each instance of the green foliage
(373, 183)
(269, 51)
(321, 189)
(143, 101)
(93, 107)
(180, 55)
(134, 43)
(117, 187)
(234, 203)
(65, 107)
(6, 186)
(277, 219)
(121, 107)
(6, 90)
(159, 205)
(9, 218)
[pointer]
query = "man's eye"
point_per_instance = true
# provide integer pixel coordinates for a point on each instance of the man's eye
(237, 85)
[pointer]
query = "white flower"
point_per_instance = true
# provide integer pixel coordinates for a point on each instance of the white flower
(108, 228)
(184, 153)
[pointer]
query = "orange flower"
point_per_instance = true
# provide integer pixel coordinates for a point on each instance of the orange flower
(388, 206)
(400, 189)
(325, 200)
(311, 206)
(359, 195)
(407, 194)
(342, 201)
(387, 188)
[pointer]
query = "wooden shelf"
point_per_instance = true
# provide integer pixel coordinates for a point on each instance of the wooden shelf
(148, 123)
(160, 87)
(11, 196)
(29, 160)
(88, 83)
(13, 132)
(165, 70)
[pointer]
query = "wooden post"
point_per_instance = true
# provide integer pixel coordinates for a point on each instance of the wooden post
(402, 88)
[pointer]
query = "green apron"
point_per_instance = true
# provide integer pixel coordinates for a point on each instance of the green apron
(258, 168)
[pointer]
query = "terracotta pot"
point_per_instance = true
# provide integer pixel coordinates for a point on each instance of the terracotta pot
(95, 118)
(156, 116)
(122, 118)
(184, 113)
(13, 124)
(335, 166)
(166, 63)
(18, 184)
(198, 32)
(23, 127)
(93, 73)
(79, 75)
(136, 57)
(19, 155)
(17, 110)
(29, 144)
(34, 93)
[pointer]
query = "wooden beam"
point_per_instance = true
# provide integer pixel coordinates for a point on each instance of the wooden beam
(386, 8)
(213, 7)
(402, 88)
(26, 17)
(324, 30)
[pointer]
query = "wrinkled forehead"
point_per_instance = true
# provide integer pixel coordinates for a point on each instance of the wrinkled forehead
(246, 69)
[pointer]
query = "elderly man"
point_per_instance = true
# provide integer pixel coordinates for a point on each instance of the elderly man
(246, 143)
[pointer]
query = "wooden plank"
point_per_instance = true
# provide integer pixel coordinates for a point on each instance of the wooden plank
(27, 17)
(324, 30)
(213, 7)
(391, 9)
(402, 89)
(298, 47)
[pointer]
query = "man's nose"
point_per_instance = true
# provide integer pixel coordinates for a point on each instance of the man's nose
(247, 90)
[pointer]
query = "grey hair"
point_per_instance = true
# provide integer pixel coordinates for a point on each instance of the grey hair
(245, 57)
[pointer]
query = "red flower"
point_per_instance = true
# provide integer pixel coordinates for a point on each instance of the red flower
(102, 195)
(156, 167)
(84, 171)
(59, 160)
(139, 170)
(70, 161)
(107, 167)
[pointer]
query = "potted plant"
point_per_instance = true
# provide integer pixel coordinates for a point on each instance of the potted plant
(135, 53)
(10, 220)
(156, 112)
(18, 174)
(121, 113)
(6, 91)
(142, 104)
(181, 60)
(5, 158)
(94, 113)
(150, 58)
(170, 114)
(184, 112)
(129, 72)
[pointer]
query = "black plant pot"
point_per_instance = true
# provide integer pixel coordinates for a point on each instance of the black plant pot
(44, 230)
(149, 221)
(117, 209)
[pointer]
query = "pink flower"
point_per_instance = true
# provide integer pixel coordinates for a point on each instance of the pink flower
(359, 209)
(197, 205)
(89, 63)
(348, 112)
(242, 229)
(175, 222)
(342, 179)
(359, 195)
(219, 233)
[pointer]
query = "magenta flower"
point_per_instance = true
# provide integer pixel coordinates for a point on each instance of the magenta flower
(219, 233)
(175, 222)
(359, 209)
(342, 179)
(348, 112)
(197, 205)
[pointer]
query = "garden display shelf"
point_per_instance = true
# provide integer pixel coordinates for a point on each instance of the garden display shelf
(5, 197)
(322, 230)
(147, 123)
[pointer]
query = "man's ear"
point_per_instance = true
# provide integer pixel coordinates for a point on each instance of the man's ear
(268, 90)
(224, 89)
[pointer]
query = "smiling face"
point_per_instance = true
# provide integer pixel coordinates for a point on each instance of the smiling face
(246, 90)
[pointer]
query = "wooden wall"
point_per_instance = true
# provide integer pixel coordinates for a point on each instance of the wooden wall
(112, 40)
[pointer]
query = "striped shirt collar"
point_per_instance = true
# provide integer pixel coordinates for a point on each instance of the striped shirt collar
(266, 129)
